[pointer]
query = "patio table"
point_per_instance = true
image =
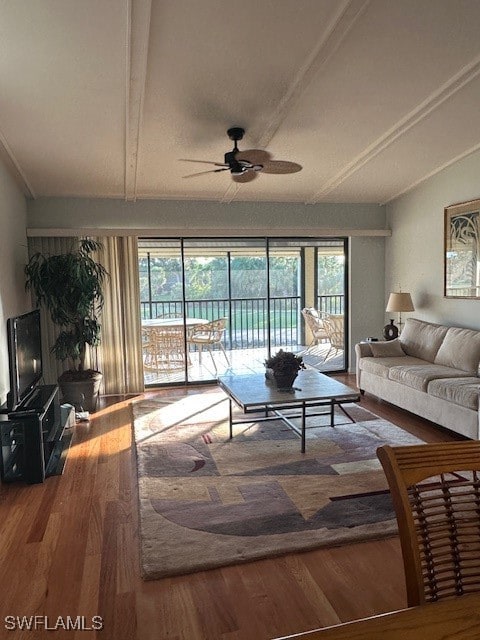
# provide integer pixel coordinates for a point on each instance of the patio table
(173, 322)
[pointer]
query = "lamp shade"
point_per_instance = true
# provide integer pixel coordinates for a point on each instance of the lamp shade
(400, 302)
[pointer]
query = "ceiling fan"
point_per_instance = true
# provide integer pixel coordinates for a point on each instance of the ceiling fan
(244, 166)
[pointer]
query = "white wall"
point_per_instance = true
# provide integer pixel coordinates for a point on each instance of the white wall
(367, 283)
(414, 253)
(190, 216)
(13, 257)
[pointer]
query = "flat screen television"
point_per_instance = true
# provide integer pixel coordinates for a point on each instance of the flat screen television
(25, 356)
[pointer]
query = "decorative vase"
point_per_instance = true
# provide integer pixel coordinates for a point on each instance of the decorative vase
(285, 380)
(390, 331)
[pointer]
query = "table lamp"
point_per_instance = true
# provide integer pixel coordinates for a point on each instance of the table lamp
(397, 302)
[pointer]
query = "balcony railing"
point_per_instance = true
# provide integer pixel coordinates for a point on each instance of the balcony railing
(248, 327)
(331, 304)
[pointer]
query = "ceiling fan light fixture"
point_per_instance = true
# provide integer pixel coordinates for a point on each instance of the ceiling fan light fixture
(244, 166)
(238, 167)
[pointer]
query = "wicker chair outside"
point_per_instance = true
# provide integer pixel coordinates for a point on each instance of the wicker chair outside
(208, 335)
(335, 329)
(163, 348)
(436, 494)
(314, 321)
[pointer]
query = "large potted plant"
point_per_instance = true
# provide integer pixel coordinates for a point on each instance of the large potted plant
(70, 287)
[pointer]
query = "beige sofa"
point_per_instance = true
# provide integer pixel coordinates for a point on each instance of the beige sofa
(431, 370)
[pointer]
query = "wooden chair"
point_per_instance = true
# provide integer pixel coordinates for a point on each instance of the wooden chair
(335, 329)
(208, 335)
(314, 321)
(436, 494)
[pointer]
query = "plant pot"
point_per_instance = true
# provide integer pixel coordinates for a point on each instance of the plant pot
(269, 375)
(81, 389)
(285, 380)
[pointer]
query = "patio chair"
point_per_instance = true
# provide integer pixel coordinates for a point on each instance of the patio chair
(163, 348)
(435, 490)
(314, 321)
(146, 346)
(208, 335)
(335, 329)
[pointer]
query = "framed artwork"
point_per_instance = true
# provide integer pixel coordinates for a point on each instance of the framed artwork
(462, 250)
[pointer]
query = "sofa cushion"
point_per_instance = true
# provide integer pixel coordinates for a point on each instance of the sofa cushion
(462, 391)
(460, 349)
(422, 339)
(417, 376)
(381, 366)
(389, 349)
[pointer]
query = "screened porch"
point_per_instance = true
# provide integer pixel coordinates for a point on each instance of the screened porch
(257, 287)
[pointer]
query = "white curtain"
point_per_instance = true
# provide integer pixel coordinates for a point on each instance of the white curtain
(119, 356)
(120, 352)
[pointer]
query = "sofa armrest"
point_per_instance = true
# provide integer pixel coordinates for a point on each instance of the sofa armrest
(362, 350)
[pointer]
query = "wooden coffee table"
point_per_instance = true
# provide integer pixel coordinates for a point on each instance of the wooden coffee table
(253, 393)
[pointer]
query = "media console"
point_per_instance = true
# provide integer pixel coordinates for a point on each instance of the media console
(33, 438)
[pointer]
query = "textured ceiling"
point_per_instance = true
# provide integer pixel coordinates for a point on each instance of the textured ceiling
(102, 98)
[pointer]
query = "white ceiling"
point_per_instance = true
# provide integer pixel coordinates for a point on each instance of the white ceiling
(102, 98)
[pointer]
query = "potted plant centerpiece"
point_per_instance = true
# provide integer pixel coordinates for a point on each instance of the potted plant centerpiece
(284, 367)
(70, 287)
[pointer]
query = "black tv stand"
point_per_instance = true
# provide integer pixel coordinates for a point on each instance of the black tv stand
(31, 437)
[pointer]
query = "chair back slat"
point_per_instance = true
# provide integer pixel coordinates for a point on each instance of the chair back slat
(435, 490)
(209, 331)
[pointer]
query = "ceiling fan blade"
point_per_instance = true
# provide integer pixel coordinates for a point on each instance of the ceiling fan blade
(201, 173)
(281, 166)
(217, 164)
(247, 176)
(254, 156)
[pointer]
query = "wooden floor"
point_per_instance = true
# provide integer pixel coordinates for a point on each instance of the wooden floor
(69, 547)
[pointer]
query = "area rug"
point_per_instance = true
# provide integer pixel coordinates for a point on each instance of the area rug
(208, 501)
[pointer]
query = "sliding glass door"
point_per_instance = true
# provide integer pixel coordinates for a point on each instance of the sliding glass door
(331, 301)
(213, 305)
(225, 284)
(162, 311)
